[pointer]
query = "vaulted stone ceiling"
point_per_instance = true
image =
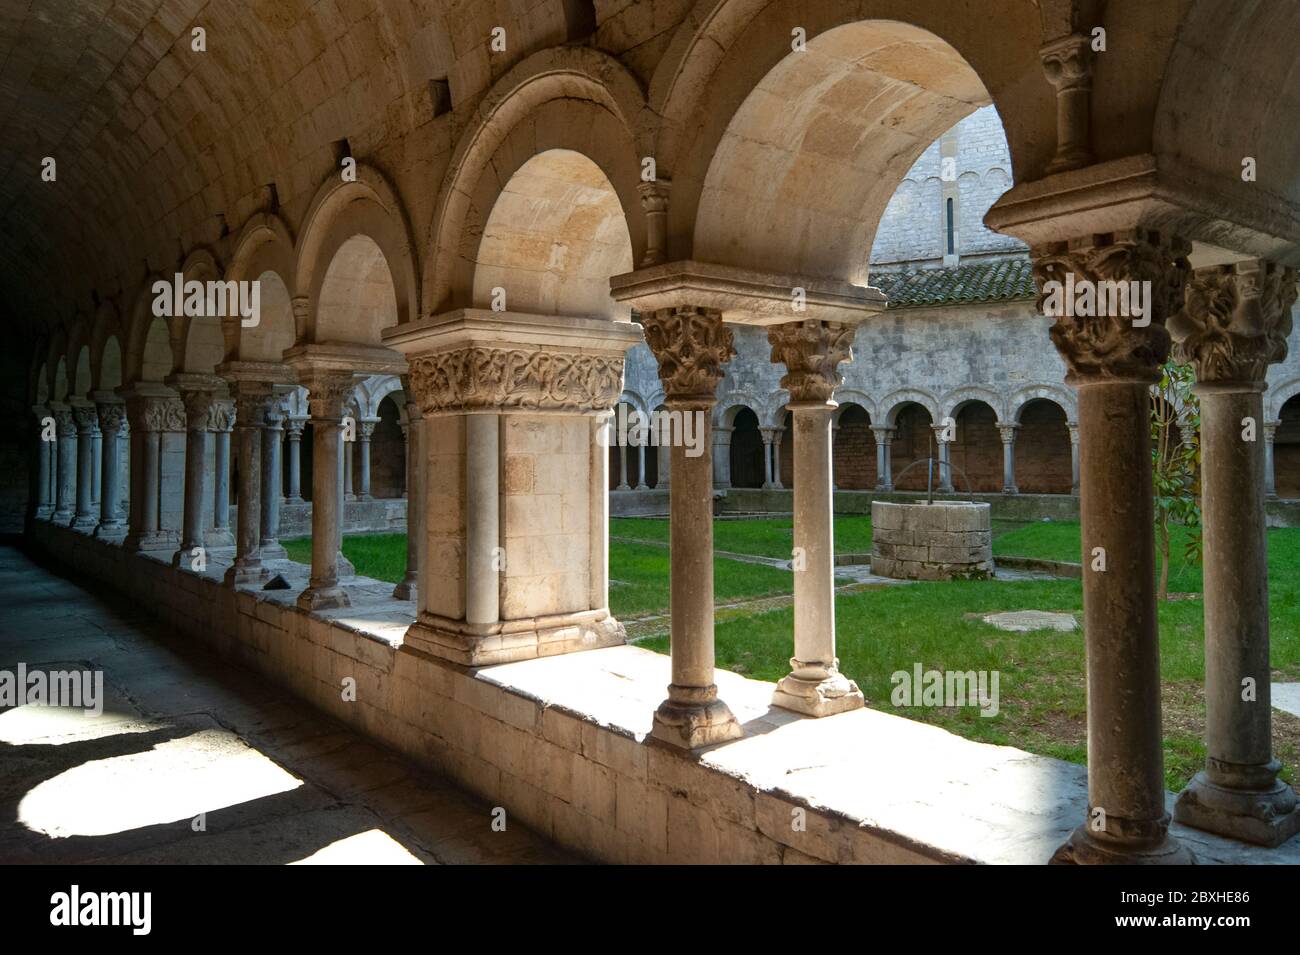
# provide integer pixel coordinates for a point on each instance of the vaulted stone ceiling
(156, 141)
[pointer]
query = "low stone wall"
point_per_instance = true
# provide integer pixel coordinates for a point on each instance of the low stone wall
(945, 540)
(651, 503)
(1003, 507)
(375, 516)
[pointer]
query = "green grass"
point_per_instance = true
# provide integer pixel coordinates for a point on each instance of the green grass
(888, 629)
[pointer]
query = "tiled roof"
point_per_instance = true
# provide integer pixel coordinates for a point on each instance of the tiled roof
(1002, 280)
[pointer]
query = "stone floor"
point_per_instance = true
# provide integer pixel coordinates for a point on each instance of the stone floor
(194, 761)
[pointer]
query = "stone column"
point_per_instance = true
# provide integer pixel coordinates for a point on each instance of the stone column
(641, 484)
(884, 454)
(272, 482)
(1270, 473)
(220, 424)
(252, 400)
(691, 345)
(482, 519)
(944, 465)
(778, 434)
(86, 420)
(1074, 457)
(364, 430)
(96, 469)
(665, 471)
(198, 400)
(65, 464)
(766, 435)
(721, 457)
(348, 451)
(112, 418)
(44, 464)
(811, 352)
(328, 393)
(1112, 363)
(293, 459)
(408, 587)
(1233, 325)
(1067, 63)
(622, 468)
(1008, 433)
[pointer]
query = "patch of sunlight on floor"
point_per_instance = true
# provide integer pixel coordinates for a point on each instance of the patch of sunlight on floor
(57, 725)
(174, 780)
(372, 847)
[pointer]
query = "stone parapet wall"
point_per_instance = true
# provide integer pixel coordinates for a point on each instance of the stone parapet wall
(945, 540)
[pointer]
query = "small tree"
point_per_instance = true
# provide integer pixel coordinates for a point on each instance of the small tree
(1176, 463)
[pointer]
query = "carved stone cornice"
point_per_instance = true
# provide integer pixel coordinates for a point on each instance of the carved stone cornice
(691, 345)
(1111, 347)
(1235, 321)
(480, 377)
(811, 352)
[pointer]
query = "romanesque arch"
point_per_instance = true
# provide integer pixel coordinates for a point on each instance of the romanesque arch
(557, 128)
(854, 449)
(264, 253)
(354, 265)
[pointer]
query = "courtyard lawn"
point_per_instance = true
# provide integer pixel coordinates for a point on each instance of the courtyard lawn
(881, 630)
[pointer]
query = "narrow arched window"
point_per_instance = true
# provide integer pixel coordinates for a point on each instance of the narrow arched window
(952, 232)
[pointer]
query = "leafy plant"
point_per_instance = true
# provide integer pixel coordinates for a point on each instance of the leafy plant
(1176, 464)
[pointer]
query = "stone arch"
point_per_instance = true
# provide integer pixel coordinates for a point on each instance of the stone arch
(912, 423)
(375, 389)
(388, 443)
(106, 359)
(747, 467)
(40, 378)
(57, 362)
(1278, 395)
(1286, 448)
(1221, 56)
(1063, 397)
(853, 449)
(1042, 451)
(573, 99)
(82, 378)
(354, 256)
(146, 333)
(733, 94)
(730, 404)
(264, 253)
(952, 401)
(633, 398)
(896, 400)
(976, 449)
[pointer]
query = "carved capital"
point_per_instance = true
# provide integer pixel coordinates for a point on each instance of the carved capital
(1102, 344)
(1008, 433)
(112, 417)
(85, 418)
(1235, 321)
(65, 424)
(1067, 63)
(328, 393)
(811, 352)
(221, 416)
(691, 345)
(198, 409)
(479, 377)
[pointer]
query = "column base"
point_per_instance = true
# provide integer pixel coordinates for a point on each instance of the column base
(326, 597)
(246, 574)
(114, 533)
(408, 589)
(150, 542)
(694, 725)
(62, 517)
(272, 549)
(220, 537)
(1011, 490)
(294, 499)
(1266, 817)
(346, 569)
(1083, 849)
(835, 694)
(884, 489)
(508, 641)
(85, 525)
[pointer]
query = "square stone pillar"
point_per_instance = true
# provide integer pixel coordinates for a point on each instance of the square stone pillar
(330, 371)
(812, 352)
(506, 402)
(1234, 323)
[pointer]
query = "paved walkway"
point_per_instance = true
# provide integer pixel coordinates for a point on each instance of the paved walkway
(195, 761)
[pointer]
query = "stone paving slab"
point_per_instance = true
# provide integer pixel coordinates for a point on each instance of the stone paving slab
(184, 733)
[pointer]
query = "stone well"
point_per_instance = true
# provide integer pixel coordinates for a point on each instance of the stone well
(944, 540)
